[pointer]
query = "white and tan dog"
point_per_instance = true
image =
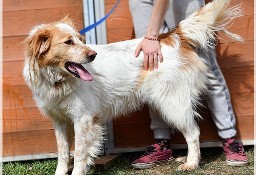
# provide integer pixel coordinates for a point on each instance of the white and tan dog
(79, 98)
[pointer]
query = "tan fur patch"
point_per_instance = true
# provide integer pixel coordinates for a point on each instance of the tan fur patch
(165, 38)
(143, 74)
(96, 119)
(46, 47)
(38, 43)
(44, 40)
(187, 48)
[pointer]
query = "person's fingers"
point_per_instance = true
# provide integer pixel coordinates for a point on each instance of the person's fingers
(160, 57)
(151, 62)
(155, 60)
(145, 62)
(138, 50)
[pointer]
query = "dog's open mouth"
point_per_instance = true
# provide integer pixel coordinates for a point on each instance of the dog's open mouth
(78, 71)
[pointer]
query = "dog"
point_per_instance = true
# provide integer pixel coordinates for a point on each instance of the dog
(82, 86)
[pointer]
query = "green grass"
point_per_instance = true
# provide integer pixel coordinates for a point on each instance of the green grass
(42, 167)
(212, 163)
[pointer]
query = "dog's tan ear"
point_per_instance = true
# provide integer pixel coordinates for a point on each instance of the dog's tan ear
(38, 43)
(68, 21)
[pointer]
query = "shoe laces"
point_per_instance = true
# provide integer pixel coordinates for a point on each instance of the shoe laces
(236, 147)
(149, 150)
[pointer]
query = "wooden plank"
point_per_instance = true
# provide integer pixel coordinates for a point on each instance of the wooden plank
(243, 103)
(235, 48)
(105, 162)
(102, 163)
(208, 131)
(13, 48)
(14, 26)
(27, 119)
(126, 134)
(251, 21)
(17, 5)
(141, 116)
(245, 127)
(119, 25)
(240, 84)
(239, 79)
(13, 79)
(17, 97)
(236, 60)
(250, 34)
(11, 68)
(238, 54)
(246, 34)
(132, 135)
(27, 143)
(247, 6)
(223, 38)
(240, 23)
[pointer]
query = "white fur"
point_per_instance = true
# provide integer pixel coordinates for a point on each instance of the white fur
(120, 86)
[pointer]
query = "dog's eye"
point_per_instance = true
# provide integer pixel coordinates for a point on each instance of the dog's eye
(69, 42)
(82, 38)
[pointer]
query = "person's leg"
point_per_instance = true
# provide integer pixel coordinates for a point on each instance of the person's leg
(219, 102)
(218, 99)
(179, 10)
(141, 12)
(158, 125)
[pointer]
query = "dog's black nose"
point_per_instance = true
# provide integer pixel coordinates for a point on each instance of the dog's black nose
(91, 55)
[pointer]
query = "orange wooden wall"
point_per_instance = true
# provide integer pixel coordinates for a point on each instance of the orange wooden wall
(26, 132)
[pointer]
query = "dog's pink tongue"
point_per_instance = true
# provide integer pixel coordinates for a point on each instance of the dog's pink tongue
(83, 73)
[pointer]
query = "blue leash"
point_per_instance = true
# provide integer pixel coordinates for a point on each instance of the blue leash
(83, 31)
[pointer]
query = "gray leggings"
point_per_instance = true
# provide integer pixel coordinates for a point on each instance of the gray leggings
(218, 94)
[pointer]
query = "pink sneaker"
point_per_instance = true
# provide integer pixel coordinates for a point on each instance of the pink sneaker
(154, 154)
(234, 151)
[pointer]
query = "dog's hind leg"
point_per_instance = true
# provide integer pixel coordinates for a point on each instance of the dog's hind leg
(191, 134)
(64, 136)
(177, 110)
(88, 142)
(190, 131)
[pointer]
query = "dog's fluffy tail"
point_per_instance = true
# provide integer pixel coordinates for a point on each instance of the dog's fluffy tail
(200, 27)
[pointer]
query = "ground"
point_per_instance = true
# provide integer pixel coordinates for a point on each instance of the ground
(212, 163)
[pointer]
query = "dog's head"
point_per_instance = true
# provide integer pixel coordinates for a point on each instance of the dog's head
(60, 46)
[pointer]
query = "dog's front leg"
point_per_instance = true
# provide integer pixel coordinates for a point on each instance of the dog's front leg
(88, 139)
(64, 135)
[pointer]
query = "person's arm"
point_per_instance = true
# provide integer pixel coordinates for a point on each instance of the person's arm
(150, 45)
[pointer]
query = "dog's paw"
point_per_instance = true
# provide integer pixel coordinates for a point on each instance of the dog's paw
(60, 172)
(61, 169)
(182, 159)
(187, 166)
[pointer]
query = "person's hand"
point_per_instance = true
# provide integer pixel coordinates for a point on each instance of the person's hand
(152, 53)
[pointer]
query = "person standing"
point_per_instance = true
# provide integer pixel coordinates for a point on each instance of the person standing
(151, 17)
